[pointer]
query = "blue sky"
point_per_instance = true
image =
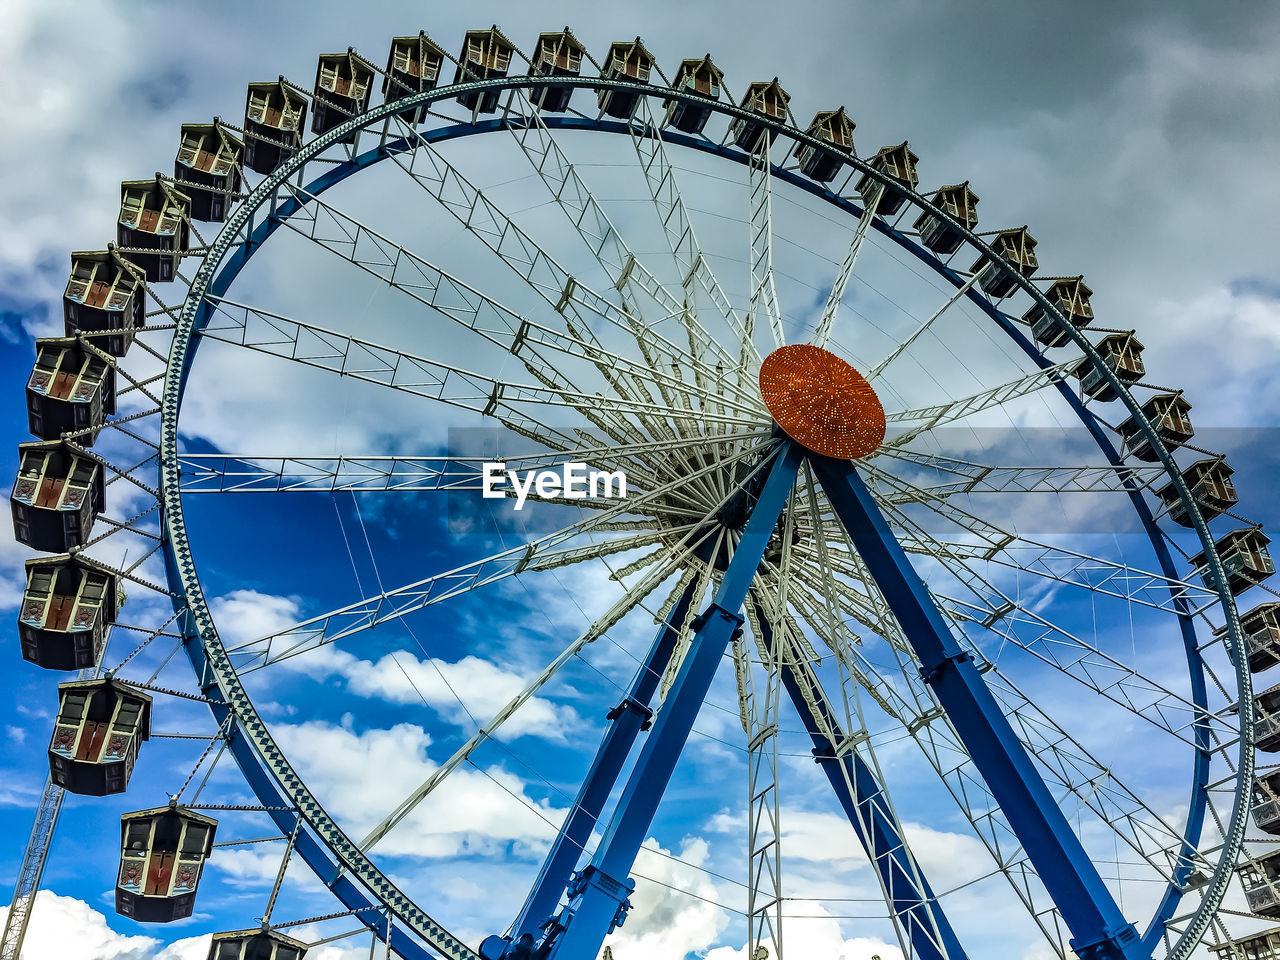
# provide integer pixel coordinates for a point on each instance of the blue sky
(1138, 146)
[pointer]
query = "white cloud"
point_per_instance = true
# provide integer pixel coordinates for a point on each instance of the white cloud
(823, 837)
(69, 929)
(673, 911)
(947, 859)
(244, 615)
(361, 776)
(1235, 386)
(13, 577)
(189, 948)
(467, 693)
(817, 940)
(64, 928)
(249, 866)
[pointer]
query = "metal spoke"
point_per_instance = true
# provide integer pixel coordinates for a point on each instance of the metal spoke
(706, 580)
(329, 227)
(1051, 644)
(543, 553)
(911, 905)
(758, 708)
(989, 478)
(1005, 617)
(759, 716)
(225, 473)
(659, 175)
(1097, 574)
(305, 343)
(927, 724)
(624, 605)
(396, 603)
(407, 272)
(996, 611)
(924, 419)
(628, 274)
(836, 295)
(31, 869)
(764, 295)
(426, 283)
(897, 351)
(1091, 781)
(709, 388)
(565, 293)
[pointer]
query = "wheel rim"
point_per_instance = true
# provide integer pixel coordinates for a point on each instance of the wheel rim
(216, 276)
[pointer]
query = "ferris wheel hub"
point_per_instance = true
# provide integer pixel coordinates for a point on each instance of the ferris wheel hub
(822, 402)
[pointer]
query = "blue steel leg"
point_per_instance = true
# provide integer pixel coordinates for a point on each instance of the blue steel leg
(1099, 929)
(598, 897)
(926, 925)
(627, 720)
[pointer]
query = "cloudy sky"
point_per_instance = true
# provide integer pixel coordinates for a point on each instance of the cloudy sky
(1138, 142)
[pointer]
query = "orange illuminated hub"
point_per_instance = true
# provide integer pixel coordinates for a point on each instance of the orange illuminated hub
(821, 402)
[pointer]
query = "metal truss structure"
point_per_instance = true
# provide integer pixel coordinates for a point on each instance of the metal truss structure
(891, 593)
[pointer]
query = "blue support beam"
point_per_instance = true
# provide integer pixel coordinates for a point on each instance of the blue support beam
(627, 719)
(598, 896)
(866, 807)
(1099, 930)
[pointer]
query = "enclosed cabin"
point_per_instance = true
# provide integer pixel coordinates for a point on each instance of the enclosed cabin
(1260, 630)
(835, 129)
(70, 390)
(260, 944)
(1017, 248)
(1121, 353)
(767, 100)
(343, 84)
(899, 165)
(1266, 720)
(486, 54)
(960, 204)
(56, 497)
(67, 609)
(162, 853)
(702, 79)
(274, 116)
(413, 65)
(1169, 414)
(105, 295)
(96, 736)
(1260, 878)
(1245, 559)
(555, 55)
(1209, 481)
(1071, 297)
(208, 167)
(1257, 946)
(153, 226)
(1266, 802)
(630, 61)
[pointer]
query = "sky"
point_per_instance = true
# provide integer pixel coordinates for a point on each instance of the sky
(1139, 144)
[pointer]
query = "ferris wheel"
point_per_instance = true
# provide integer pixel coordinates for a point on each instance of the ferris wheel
(822, 424)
